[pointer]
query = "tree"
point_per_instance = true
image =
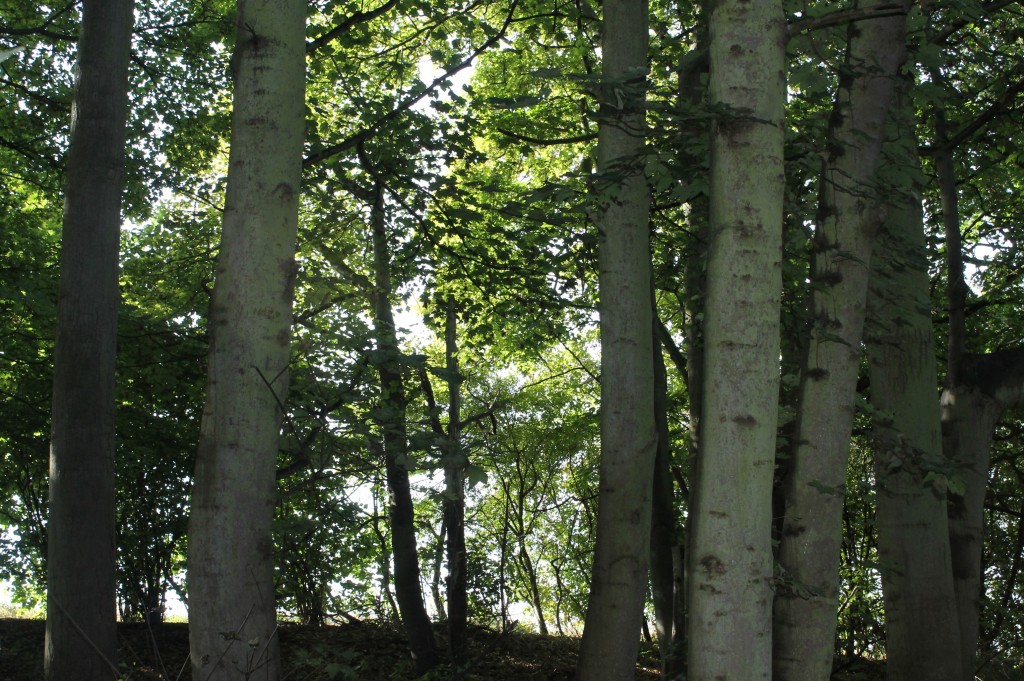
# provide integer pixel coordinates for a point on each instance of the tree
(454, 504)
(979, 388)
(922, 636)
(81, 639)
(230, 562)
(395, 441)
(848, 216)
(476, 185)
(628, 436)
(730, 557)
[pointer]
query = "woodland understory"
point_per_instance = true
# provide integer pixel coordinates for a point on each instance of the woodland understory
(534, 339)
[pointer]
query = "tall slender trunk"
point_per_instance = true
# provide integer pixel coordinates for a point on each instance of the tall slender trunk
(391, 417)
(848, 216)
(437, 569)
(385, 567)
(969, 416)
(232, 618)
(503, 548)
(692, 93)
(81, 638)
(611, 635)
(455, 496)
(534, 585)
(922, 637)
(665, 550)
(969, 419)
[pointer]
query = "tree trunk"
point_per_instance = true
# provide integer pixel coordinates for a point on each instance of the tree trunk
(611, 635)
(385, 567)
(693, 76)
(848, 216)
(922, 637)
(436, 569)
(391, 418)
(81, 638)
(971, 409)
(534, 585)
(730, 585)
(232, 628)
(455, 497)
(665, 589)
(978, 390)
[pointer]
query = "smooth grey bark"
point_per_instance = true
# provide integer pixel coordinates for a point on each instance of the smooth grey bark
(611, 635)
(232, 619)
(81, 636)
(730, 575)
(922, 636)
(847, 219)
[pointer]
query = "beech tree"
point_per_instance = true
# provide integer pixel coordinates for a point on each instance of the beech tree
(847, 219)
(628, 436)
(81, 638)
(922, 636)
(979, 387)
(426, 178)
(730, 560)
(232, 627)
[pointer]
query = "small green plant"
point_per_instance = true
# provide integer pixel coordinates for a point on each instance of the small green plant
(318, 663)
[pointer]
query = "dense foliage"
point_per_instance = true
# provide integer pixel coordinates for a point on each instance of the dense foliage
(471, 126)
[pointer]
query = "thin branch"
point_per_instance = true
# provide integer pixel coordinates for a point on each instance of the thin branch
(488, 413)
(347, 24)
(846, 16)
(428, 393)
(581, 363)
(88, 640)
(548, 142)
(669, 343)
(990, 8)
(43, 29)
(1000, 105)
(408, 103)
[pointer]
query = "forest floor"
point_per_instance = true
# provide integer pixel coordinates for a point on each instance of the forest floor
(367, 651)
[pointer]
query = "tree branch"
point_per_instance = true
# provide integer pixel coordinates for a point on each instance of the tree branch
(357, 18)
(1001, 105)
(989, 8)
(548, 142)
(43, 29)
(367, 133)
(845, 16)
(432, 410)
(669, 343)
